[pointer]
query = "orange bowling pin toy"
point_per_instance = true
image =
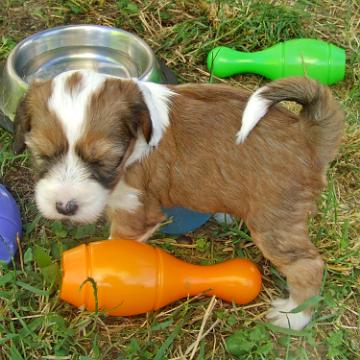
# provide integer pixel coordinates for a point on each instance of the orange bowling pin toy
(133, 278)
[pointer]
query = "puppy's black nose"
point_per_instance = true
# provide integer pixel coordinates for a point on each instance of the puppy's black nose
(68, 208)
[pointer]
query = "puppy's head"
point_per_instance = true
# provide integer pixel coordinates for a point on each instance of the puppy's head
(81, 128)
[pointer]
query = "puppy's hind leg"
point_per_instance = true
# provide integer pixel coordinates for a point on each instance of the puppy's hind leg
(289, 248)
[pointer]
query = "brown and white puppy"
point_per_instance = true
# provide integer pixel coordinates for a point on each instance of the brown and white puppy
(132, 148)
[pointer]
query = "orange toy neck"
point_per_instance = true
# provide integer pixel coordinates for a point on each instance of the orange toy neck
(227, 280)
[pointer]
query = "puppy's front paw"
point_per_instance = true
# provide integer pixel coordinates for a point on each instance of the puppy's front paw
(279, 315)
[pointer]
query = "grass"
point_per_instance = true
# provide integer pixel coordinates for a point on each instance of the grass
(34, 324)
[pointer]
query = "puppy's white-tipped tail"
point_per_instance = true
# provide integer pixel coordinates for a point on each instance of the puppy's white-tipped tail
(255, 109)
(321, 114)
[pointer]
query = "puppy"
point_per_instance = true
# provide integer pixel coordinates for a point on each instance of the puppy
(130, 148)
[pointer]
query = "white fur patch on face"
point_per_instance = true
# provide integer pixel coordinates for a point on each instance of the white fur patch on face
(255, 109)
(157, 99)
(68, 181)
(279, 314)
(69, 109)
(125, 197)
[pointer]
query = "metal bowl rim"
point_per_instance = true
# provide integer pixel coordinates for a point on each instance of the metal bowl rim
(10, 68)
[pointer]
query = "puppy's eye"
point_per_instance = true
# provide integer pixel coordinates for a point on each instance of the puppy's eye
(106, 164)
(41, 159)
(44, 157)
(50, 157)
(105, 170)
(94, 162)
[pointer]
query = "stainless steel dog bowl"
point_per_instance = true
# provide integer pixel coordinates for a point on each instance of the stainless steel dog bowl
(45, 54)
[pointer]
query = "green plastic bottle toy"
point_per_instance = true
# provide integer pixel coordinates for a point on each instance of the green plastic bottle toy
(316, 59)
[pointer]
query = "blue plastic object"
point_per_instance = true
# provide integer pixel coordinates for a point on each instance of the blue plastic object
(184, 220)
(10, 225)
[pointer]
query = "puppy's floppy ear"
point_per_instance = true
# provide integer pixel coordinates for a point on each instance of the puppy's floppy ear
(140, 118)
(22, 125)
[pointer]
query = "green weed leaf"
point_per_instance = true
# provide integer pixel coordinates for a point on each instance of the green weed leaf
(51, 274)
(281, 330)
(168, 342)
(161, 326)
(32, 289)
(41, 257)
(306, 304)
(28, 255)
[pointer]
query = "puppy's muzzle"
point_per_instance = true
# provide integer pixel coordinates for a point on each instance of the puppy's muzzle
(69, 208)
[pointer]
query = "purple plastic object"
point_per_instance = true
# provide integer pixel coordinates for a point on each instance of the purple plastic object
(10, 225)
